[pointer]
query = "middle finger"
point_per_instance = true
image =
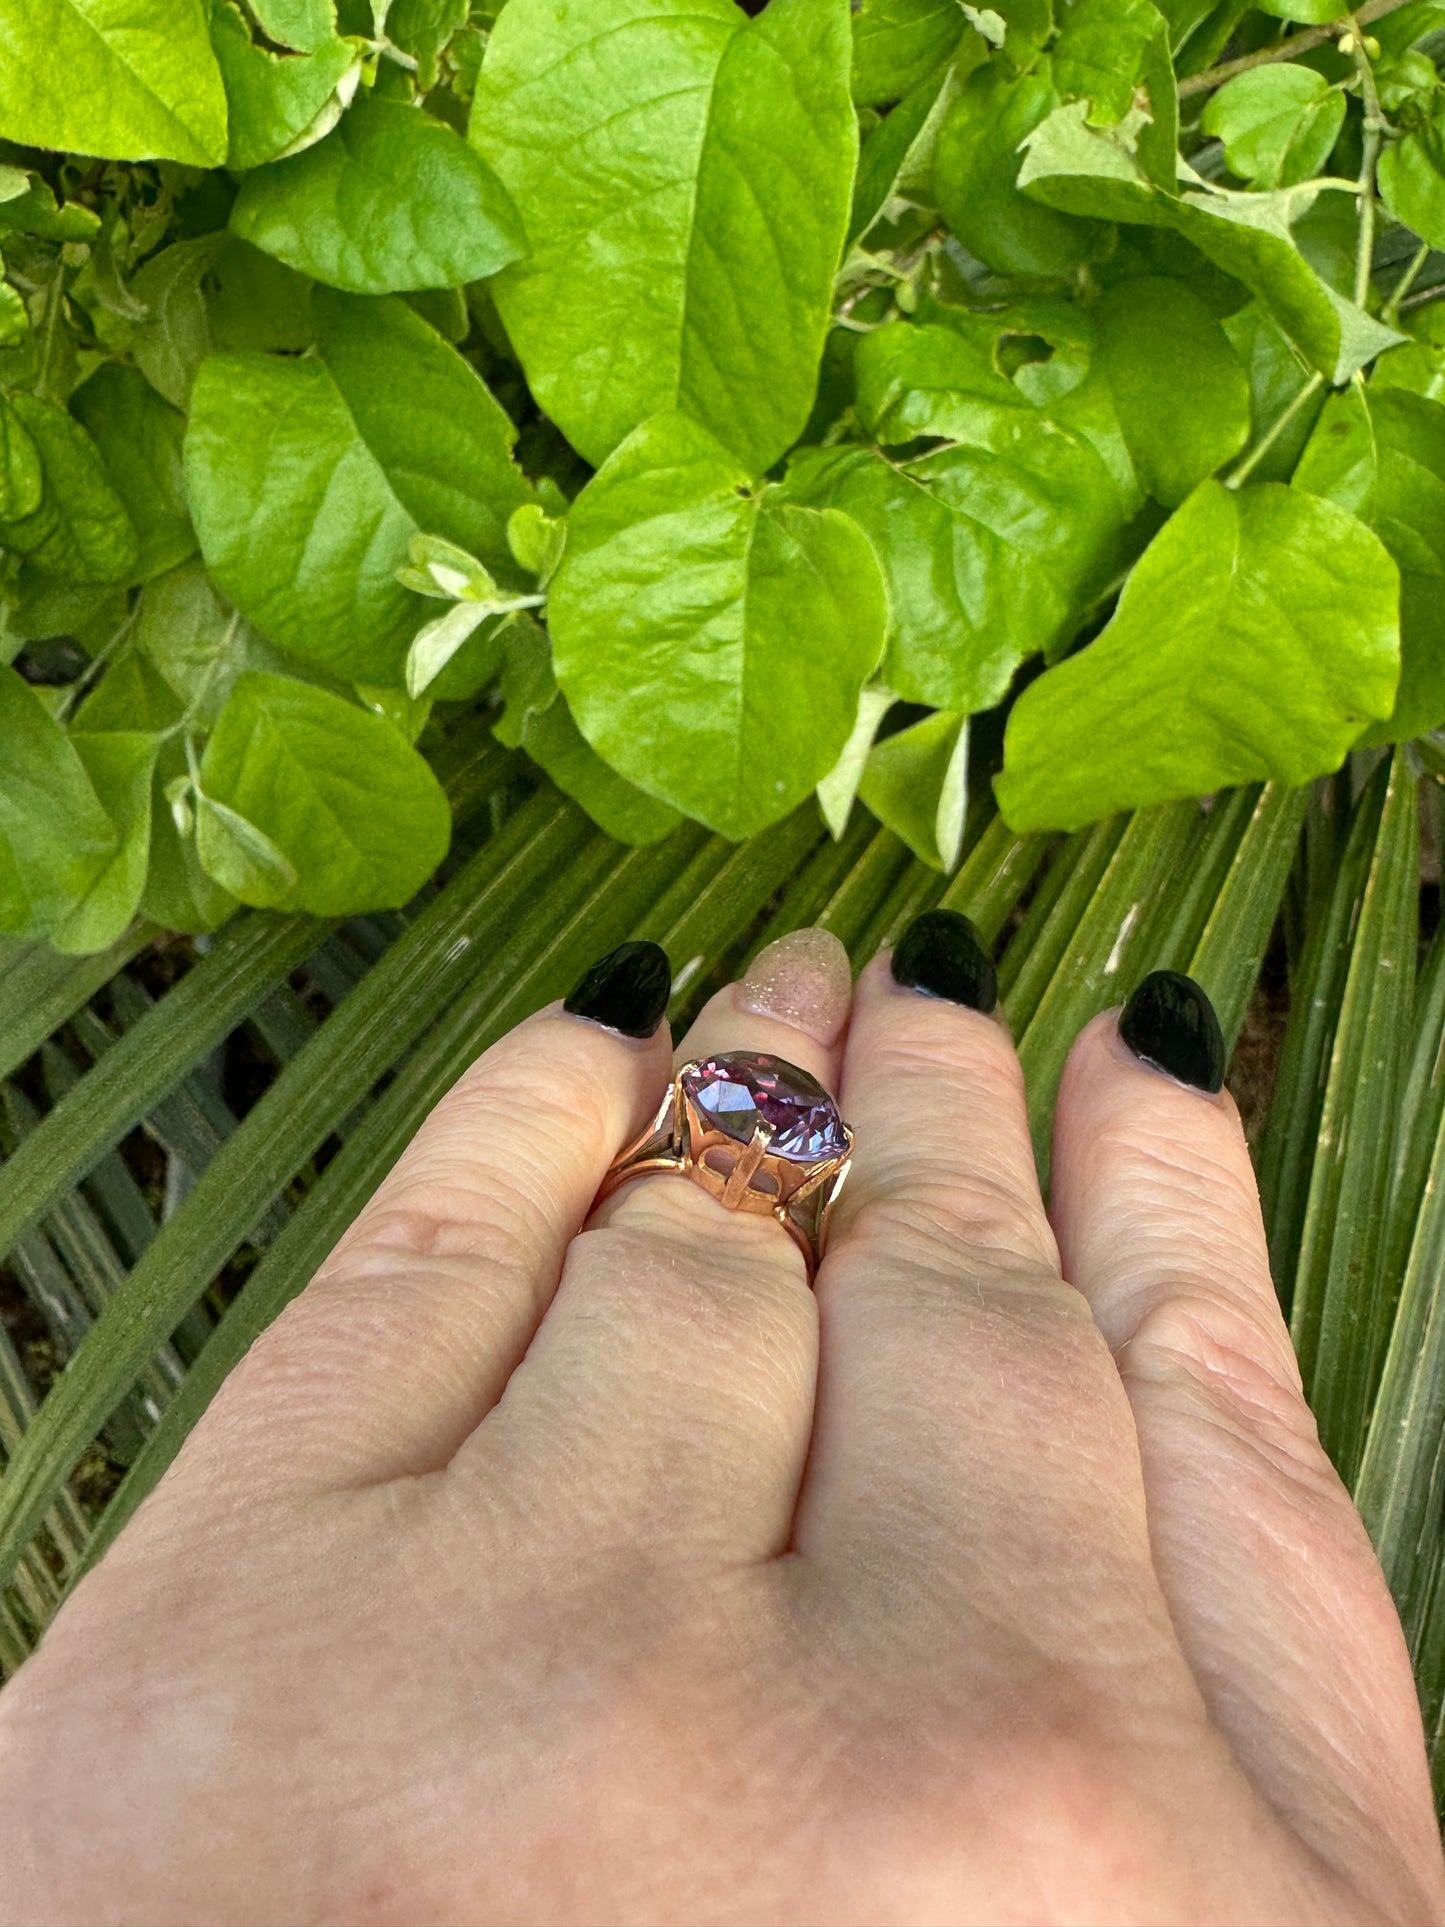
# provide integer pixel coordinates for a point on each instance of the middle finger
(974, 1462)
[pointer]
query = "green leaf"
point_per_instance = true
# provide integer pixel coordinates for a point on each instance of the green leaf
(838, 788)
(899, 43)
(308, 479)
(132, 695)
(976, 177)
(178, 894)
(252, 301)
(1096, 171)
(55, 834)
(172, 342)
(391, 199)
(302, 24)
(1179, 389)
(81, 528)
(895, 167)
(1340, 459)
(1312, 12)
(36, 211)
(1100, 51)
(119, 765)
(348, 803)
(914, 380)
(273, 99)
(424, 28)
(1381, 454)
(1277, 123)
(125, 79)
(711, 637)
(21, 476)
(1276, 377)
(183, 629)
(1256, 637)
(916, 783)
(989, 556)
(14, 320)
(684, 175)
(537, 720)
(537, 541)
(1411, 177)
(238, 855)
(139, 438)
(438, 641)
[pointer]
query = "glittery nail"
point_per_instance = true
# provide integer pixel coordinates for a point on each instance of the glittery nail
(804, 980)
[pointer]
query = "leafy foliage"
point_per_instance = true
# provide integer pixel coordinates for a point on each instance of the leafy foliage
(726, 404)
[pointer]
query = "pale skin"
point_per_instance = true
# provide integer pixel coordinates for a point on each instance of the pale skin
(676, 1591)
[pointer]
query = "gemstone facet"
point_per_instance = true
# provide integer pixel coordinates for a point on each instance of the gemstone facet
(737, 1092)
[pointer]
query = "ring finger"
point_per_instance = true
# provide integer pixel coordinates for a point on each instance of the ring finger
(667, 1396)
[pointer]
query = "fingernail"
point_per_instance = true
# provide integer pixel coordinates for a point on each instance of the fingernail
(627, 990)
(1171, 1024)
(942, 954)
(804, 979)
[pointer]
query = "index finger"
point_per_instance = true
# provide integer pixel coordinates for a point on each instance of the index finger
(405, 1338)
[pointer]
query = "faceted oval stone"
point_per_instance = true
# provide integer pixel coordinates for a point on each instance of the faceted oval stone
(736, 1092)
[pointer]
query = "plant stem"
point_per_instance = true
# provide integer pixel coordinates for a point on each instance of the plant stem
(1298, 43)
(93, 668)
(1262, 447)
(1402, 286)
(1422, 297)
(1375, 125)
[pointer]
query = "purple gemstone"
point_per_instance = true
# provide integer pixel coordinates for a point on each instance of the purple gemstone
(734, 1093)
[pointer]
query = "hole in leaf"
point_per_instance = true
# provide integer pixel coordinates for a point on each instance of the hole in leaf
(1017, 351)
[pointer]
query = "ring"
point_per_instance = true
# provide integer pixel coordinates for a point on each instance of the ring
(758, 1133)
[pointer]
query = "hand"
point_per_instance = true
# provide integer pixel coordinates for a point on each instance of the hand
(675, 1591)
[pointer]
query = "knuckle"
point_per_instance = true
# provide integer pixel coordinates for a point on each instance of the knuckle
(1226, 1357)
(944, 1221)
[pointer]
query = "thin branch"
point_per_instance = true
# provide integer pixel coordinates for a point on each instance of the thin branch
(1402, 287)
(1266, 442)
(1422, 297)
(1375, 128)
(1299, 43)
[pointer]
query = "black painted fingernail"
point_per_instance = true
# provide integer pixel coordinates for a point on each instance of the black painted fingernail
(626, 990)
(942, 954)
(1171, 1024)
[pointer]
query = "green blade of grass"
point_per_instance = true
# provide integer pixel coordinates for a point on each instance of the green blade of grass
(1088, 954)
(1225, 948)
(990, 882)
(1342, 1302)
(40, 989)
(1075, 868)
(1398, 1484)
(1291, 1134)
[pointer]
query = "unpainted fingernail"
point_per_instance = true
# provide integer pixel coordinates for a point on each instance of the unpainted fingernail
(1170, 1023)
(804, 979)
(627, 990)
(942, 954)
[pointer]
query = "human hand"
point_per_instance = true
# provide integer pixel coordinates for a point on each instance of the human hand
(675, 1592)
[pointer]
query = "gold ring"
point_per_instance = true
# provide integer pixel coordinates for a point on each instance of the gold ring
(758, 1133)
